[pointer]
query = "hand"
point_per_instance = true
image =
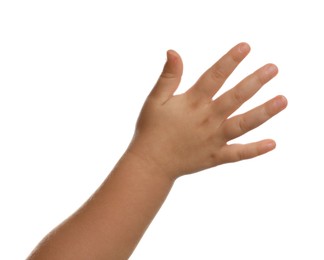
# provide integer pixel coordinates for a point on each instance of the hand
(186, 133)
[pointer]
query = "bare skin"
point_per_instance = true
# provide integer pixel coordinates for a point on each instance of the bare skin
(175, 135)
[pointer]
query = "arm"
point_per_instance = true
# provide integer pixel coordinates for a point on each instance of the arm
(175, 135)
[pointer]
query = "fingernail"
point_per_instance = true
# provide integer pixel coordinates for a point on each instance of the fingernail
(280, 102)
(271, 68)
(244, 47)
(271, 145)
(171, 56)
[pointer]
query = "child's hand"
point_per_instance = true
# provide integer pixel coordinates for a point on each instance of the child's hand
(181, 134)
(175, 135)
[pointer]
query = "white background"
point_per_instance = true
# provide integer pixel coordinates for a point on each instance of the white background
(73, 77)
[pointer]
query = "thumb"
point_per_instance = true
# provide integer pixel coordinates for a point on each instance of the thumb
(170, 77)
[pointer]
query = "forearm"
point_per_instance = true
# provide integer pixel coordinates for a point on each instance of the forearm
(111, 223)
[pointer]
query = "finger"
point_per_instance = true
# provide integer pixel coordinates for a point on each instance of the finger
(238, 152)
(241, 124)
(211, 81)
(170, 77)
(231, 100)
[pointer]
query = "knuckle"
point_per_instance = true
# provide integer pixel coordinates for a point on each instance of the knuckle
(243, 126)
(236, 58)
(258, 78)
(215, 158)
(241, 155)
(267, 112)
(218, 74)
(168, 75)
(238, 96)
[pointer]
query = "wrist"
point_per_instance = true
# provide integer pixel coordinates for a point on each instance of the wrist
(144, 161)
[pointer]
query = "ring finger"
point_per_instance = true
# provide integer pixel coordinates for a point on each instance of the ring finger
(241, 124)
